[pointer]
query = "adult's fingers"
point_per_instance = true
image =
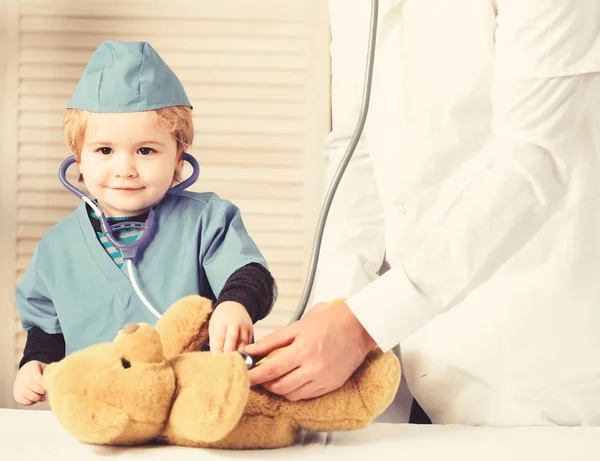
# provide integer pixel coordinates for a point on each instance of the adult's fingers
(290, 382)
(309, 390)
(275, 340)
(274, 367)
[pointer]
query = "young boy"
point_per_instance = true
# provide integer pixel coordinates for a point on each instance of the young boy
(128, 123)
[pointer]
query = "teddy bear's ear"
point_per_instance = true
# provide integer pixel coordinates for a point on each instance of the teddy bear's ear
(92, 421)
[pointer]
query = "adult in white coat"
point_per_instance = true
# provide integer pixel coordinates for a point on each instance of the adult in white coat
(477, 180)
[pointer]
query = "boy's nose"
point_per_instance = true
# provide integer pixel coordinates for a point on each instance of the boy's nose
(124, 165)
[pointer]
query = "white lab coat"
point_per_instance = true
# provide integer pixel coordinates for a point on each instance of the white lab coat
(477, 180)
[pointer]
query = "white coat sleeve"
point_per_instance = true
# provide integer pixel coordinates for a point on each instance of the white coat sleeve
(352, 248)
(546, 69)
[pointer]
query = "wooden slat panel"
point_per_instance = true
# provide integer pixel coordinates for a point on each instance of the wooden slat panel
(207, 91)
(267, 141)
(241, 10)
(223, 187)
(43, 167)
(219, 30)
(59, 199)
(178, 60)
(240, 158)
(291, 240)
(54, 106)
(265, 175)
(236, 75)
(70, 40)
(214, 124)
(278, 317)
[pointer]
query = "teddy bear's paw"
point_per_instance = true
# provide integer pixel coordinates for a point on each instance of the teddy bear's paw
(363, 397)
(377, 381)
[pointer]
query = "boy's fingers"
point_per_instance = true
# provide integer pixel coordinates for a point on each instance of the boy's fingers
(217, 339)
(30, 396)
(33, 385)
(231, 339)
(23, 401)
(242, 343)
(245, 339)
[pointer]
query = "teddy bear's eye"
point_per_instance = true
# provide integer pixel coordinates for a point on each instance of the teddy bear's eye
(126, 363)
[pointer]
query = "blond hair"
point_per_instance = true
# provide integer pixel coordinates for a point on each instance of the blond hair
(176, 120)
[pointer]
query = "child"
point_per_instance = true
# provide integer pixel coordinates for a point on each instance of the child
(128, 123)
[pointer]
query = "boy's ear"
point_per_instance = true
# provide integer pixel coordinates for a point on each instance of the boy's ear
(78, 161)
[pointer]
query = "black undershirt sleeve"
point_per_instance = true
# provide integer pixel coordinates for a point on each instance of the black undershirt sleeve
(252, 286)
(43, 347)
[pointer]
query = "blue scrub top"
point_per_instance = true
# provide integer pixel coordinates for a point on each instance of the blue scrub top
(73, 286)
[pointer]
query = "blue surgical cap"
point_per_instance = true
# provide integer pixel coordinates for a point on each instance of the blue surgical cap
(127, 77)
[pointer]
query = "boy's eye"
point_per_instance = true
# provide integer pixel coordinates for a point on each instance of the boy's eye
(145, 150)
(105, 150)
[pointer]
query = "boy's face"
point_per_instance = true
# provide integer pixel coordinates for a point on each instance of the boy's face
(127, 162)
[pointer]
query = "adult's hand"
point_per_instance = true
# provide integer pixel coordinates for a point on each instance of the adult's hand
(320, 352)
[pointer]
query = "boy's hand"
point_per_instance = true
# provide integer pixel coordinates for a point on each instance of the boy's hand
(230, 328)
(28, 388)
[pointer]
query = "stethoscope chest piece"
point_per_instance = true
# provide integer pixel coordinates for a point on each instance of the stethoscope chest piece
(248, 360)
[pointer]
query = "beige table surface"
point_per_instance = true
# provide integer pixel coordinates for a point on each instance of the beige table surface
(36, 435)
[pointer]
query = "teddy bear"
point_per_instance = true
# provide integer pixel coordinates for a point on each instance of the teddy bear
(155, 385)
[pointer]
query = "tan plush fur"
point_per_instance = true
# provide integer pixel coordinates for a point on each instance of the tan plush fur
(153, 384)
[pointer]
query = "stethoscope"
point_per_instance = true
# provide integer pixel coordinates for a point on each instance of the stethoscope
(130, 250)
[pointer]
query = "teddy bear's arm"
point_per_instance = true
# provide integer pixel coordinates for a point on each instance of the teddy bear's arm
(184, 326)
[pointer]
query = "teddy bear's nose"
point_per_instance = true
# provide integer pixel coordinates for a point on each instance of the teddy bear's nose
(130, 328)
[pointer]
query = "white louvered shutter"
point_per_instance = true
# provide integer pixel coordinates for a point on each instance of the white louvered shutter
(260, 99)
